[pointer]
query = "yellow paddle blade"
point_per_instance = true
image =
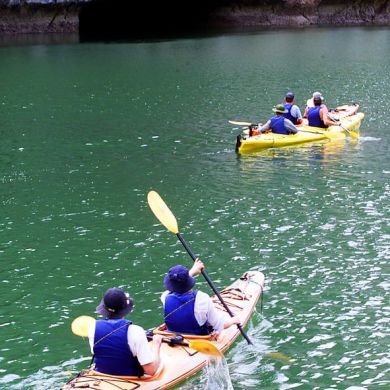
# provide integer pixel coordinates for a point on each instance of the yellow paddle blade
(353, 134)
(279, 356)
(162, 212)
(206, 347)
(80, 325)
(240, 123)
(350, 132)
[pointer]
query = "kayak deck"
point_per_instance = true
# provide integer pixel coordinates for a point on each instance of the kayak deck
(180, 362)
(350, 120)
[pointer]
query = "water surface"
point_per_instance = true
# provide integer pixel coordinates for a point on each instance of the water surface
(88, 129)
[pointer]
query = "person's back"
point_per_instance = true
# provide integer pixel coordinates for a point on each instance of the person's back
(111, 349)
(293, 112)
(279, 124)
(120, 347)
(317, 115)
(190, 311)
(313, 117)
(179, 314)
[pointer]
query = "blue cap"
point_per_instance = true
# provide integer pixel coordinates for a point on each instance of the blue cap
(115, 304)
(178, 279)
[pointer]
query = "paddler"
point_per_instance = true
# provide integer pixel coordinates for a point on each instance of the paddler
(191, 311)
(293, 112)
(278, 124)
(317, 116)
(120, 347)
(310, 102)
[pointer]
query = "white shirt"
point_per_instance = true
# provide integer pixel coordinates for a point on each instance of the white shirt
(204, 311)
(309, 102)
(138, 343)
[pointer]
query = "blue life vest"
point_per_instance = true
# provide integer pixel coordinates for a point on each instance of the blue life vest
(313, 116)
(179, 314)
(112, 352)
(288, 107)
(277, 125)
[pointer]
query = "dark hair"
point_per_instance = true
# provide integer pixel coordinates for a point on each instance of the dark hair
(289, 97)
(317, 100)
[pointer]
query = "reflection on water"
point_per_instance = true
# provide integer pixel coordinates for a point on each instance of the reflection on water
(38, 39)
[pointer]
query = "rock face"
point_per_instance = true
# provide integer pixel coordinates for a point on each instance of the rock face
(39, 18)
(300, 13)
(130, 17)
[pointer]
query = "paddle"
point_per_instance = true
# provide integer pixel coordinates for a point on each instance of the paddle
(80, 327)
(240, 123)
(353, 134)
(314, 132)
(165, 216)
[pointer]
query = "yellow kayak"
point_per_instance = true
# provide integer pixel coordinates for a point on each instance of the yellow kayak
(348, 124)
(180, 361)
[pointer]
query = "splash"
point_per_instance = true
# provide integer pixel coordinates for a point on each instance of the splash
(217, 375)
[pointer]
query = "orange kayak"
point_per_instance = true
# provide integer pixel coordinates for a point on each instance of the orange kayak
(179, 362)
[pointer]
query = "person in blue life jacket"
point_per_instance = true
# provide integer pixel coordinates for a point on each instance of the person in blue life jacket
(191, 311)
(293, 112)
(317, 116)
(120, 347)
(278, 124)
(310, 102)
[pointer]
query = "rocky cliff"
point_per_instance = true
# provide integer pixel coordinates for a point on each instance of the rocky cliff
(296, 13)
(25, 17)
(127, 18)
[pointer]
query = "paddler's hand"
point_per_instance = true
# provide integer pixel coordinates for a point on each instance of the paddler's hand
(214, 335)
(231, 321)
(236, 320)
(196, 268)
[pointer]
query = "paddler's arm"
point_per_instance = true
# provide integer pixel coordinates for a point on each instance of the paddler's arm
(290, 126)
(205, 311)
(264, 127)
(148, 354)
(324, 115)
(231, 321)
(91, 336)
(197, 268)
(296, 112)
(306, 112)
(151, 368)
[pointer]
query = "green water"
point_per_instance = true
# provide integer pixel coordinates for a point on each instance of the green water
(88, 129)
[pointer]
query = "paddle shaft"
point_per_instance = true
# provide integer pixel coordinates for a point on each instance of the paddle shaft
(309, 131)
(170, 341)
(347, 130)
(338, 123)
(211, 284)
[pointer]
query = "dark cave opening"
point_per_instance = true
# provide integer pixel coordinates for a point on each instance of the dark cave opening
(124, 19)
